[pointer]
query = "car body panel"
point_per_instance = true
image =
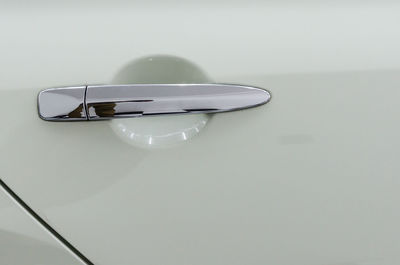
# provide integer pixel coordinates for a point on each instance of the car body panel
(24, 241)
(309, 178)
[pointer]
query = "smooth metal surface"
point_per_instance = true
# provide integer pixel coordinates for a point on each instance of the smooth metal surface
(62, 104)
(120, 101)
(105, 102)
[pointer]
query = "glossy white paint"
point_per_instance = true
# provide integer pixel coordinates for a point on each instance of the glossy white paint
(23, 241)
(157, 132)
(309, 178)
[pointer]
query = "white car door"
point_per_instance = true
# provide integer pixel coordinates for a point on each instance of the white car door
(311, 177)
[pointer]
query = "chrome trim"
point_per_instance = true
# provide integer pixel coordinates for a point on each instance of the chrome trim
(101, 102)
(62, 104)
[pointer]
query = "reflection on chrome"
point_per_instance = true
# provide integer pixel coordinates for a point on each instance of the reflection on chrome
(62, 104)
(102, 102)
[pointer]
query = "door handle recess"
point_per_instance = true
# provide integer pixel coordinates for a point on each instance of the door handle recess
(100, 102)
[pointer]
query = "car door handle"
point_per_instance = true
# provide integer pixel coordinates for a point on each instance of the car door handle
(100, 102)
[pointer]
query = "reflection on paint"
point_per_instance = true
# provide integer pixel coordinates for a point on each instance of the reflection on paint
(156, 132)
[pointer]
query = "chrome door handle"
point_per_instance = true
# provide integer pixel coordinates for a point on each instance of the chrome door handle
(100, 102)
